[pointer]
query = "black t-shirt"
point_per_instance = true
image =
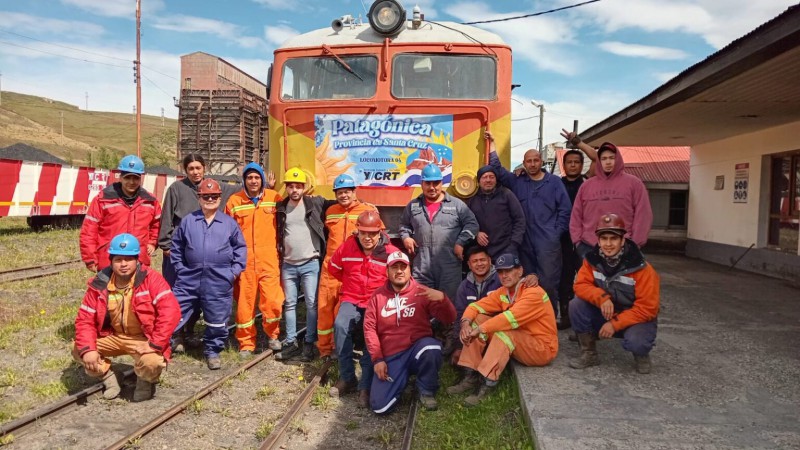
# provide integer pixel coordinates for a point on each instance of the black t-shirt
(572, 187)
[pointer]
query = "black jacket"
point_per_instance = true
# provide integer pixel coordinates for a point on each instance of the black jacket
(500, 216)
(315, 212)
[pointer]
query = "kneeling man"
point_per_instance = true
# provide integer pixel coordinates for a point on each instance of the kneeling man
(128, 309)
(397, 329)
(514, 321)
(616, 295)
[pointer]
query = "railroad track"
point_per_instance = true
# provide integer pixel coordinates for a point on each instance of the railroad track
(26, 273)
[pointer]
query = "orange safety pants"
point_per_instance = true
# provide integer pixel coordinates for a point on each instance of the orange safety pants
(147, 367)
(491, 356)
(327, 302)
(266, 284)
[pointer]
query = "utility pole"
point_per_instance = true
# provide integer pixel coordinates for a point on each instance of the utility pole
(162, 117)
(138, 65)
(87, 100)
(541, 128)
(133, 117)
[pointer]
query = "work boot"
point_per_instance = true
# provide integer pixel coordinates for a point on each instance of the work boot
(363, 398)
(245, 354)
(178, 342)
(213, 362)
(308, 353)
(111, 385)
(428, 402)
(475, 399)
(274, 345)
(643, 365)
(470, 381)
(588, 356)
(342, 388)
(563, 320)
(289, 352)
(144, 390)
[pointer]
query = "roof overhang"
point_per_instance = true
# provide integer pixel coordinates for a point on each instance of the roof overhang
(751, 84)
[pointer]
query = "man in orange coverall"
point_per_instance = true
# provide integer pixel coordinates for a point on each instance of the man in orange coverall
(513, 321)
(340, 221)
(616, 295)
(253, 208)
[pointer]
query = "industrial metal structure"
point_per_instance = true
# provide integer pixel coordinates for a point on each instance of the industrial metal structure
(222, 114)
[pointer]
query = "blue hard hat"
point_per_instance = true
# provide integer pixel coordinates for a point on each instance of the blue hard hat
(344, 181)
(131, 164)
(431, 172)
(124, 245)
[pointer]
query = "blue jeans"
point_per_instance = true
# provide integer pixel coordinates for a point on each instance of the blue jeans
(423, 359)
(293, 277)
(587, 318)
(349, 320)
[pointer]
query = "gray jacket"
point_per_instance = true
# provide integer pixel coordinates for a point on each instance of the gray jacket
(180, 201)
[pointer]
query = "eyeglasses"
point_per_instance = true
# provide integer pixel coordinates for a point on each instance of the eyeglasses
(210, 197)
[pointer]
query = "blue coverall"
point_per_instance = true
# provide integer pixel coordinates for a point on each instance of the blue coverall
(207, 259)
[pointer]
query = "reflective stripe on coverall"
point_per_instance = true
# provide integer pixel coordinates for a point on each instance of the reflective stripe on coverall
(341, 224)
(262, 275)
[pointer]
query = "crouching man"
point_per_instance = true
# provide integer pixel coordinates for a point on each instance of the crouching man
(128, 309)
(616, 295)
(514, 321)
(397, 329)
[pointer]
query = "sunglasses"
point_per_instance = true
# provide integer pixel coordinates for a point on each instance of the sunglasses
(210, 198)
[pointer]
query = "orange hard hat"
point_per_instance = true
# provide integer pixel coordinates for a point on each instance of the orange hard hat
(369, 221)
(610, 223)
(209, 186)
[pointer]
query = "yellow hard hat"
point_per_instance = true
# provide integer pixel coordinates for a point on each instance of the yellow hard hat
(295, 175)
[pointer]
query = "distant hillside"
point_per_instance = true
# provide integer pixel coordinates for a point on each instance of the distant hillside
(90, 137)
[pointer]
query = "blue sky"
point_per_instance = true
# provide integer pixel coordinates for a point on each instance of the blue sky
(584, 63)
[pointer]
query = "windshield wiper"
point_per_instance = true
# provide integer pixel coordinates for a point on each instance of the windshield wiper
(326, 49)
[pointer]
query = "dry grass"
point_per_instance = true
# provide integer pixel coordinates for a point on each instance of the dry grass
(22, 247)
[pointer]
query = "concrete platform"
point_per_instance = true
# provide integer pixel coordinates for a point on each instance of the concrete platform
(726, 372)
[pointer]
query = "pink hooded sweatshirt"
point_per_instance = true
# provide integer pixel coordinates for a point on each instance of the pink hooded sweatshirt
(618, 193)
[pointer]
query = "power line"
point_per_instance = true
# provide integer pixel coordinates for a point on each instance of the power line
(64, 46)
(157, 86)
(530, 15)
(62, 56)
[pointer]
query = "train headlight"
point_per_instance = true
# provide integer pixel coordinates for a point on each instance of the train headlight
(466, 184)
(387, 16)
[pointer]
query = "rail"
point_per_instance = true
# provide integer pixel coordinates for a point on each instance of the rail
(43, 270)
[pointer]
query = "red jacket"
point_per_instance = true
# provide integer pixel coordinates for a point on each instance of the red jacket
(360, 274)
(152, 302)
(394, 321)
(109, 216)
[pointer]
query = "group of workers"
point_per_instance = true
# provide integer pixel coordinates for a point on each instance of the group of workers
(543, 253)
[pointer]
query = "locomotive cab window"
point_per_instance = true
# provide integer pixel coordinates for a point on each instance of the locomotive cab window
(320, 78)
(458, 77)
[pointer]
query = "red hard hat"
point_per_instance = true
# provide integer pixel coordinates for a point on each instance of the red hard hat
(369, 221)
(209, 186)
(610, 223)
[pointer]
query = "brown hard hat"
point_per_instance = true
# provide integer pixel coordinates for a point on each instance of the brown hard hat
(208, 186)
(610, 223)
(369, 221)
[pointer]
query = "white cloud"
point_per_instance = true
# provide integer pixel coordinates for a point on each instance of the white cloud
(642, 51)
(116, 8)
(278, 34)
(278, 4)
(541, 41)
(23, 23)
(718, 23)
(256, 68)
(192, 24)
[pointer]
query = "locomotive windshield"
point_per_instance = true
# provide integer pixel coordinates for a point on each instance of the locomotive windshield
(319, 78)
(437, 76)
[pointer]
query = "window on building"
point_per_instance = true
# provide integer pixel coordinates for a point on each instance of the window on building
(677, 209)
(457, 77)
(187, 83)
(784, 205)
(328, 78)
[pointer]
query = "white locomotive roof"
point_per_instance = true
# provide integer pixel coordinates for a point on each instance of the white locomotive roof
(364, 34)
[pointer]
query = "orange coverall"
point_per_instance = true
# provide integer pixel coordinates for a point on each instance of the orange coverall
(341, 223)
(262, 275)
(522, 326)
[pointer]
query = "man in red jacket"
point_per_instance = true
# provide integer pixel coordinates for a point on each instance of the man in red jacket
(128, 309)
(122, 207)
(360, 264)
(397, 328)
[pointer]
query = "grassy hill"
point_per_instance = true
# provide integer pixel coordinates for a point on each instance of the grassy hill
(90, 137)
